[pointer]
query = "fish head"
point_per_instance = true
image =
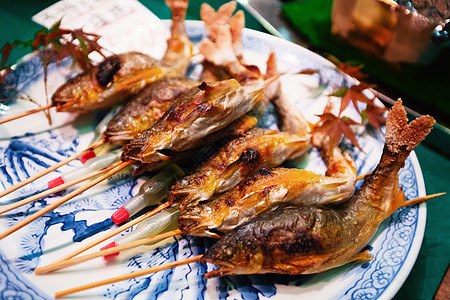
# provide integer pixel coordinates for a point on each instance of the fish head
(235, 253)
(108, 83)
(76, 94)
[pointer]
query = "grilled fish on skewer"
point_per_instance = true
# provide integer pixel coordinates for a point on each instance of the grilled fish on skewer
(241, 157)
(121, 76)
(143, 111)
(202, 110)
(306, 240)
(261, 194)
(214, 140)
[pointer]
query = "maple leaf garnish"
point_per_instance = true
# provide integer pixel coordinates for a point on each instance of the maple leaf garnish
(354, 71)
(352, 94)
(335, 127)
(374, 114)
(55, 43)
(77, 44)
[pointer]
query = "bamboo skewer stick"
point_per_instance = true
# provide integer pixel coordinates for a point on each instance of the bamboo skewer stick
(114, 232)
(128, 276)
(56, 189)
(422, 199)
(24, 114)
(61, 201)
(50, 169)
(80, 259)
(157, 268)
(361, 177)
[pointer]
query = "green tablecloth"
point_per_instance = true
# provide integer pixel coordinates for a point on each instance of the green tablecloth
(434, 256)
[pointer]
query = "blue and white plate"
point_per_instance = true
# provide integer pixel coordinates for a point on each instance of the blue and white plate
(29, 146)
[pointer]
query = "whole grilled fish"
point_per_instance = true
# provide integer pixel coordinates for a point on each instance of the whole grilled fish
(201, 152)
(306, 240)
(201, 111)
(120, 76)
(241, 157)
(261, 194)
(146, 108)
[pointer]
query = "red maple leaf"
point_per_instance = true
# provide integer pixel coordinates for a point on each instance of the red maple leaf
(335, 127)
(354, 71)
(374, 114)
(353, 94)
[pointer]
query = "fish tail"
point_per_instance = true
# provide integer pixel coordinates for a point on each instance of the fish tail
(179, 46)
(401, 139)
(178, 9)
(237, 23)
(401, 136)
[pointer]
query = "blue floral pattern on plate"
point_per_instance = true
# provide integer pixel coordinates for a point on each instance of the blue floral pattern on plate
(396, 242)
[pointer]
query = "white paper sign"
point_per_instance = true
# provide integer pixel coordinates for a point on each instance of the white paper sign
(125, 25)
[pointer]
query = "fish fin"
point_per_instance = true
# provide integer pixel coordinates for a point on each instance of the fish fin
(138, 77)
(243, 124)
(218, 273)
(333, 185)
(272, 68)
(362, 256)
(335, 198)
(397, 201)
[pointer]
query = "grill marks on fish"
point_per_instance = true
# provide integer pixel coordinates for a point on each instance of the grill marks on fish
(242, 157)
(250, 156)
(145, 109)
(107, 69)
(266, 191)
(192, 118)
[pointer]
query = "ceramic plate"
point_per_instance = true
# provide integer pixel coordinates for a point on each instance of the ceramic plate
(28, 146)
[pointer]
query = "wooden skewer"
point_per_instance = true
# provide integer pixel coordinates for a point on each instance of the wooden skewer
(24, 114)
(80, 259)
(50, 169)
(128, 276)
(114, 232)
(61, 201)
(422, 199)
(361, 177)
(56, 189)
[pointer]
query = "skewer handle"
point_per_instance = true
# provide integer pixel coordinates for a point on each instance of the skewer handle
(80, 259)
(56, 189)
(128, 276)
(113, 232)
(50, 169)
(62, 200)
(24, 114)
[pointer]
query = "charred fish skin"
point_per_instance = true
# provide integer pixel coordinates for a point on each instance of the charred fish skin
(201, 111)
(289, 240)
(322, 238)
(145, 109)
(238, 159)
